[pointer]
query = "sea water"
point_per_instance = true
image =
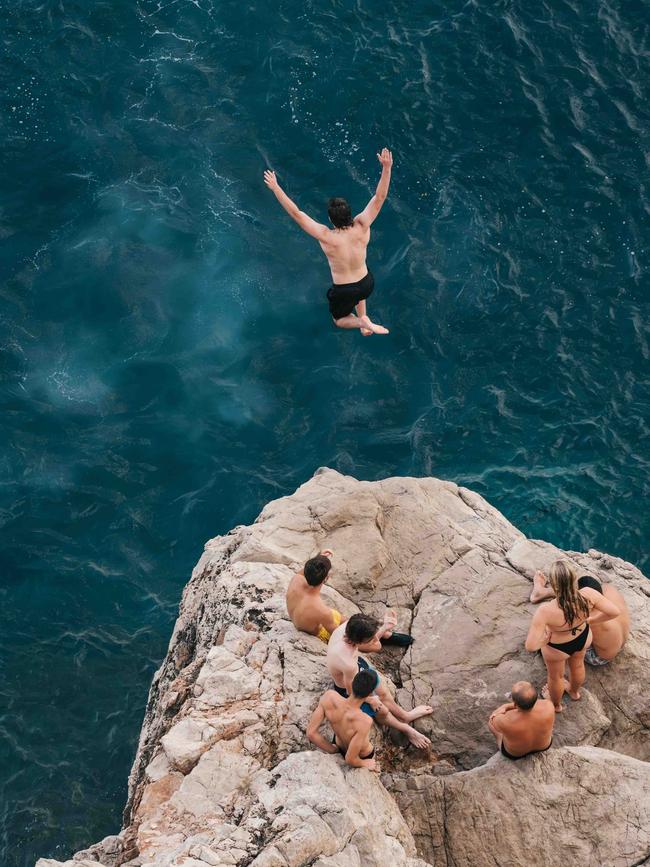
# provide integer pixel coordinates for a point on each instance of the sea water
(168, 363)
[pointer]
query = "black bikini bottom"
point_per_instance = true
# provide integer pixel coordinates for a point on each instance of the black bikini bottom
(575, 645)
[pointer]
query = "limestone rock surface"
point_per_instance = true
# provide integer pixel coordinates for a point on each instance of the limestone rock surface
(224, 773)
(576, 805)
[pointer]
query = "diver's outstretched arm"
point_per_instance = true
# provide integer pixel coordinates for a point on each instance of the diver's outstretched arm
(316, 230)
(372, 209)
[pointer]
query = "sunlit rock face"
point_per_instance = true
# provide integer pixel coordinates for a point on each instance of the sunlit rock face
(224, 773)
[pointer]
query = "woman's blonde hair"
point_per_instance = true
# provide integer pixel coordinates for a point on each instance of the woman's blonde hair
(564, 581)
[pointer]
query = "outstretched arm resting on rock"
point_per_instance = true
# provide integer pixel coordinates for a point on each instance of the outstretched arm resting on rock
(316, 230)
(313, 731)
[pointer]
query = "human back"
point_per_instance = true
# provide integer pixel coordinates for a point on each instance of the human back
(345, 718)
(306, 608)
(566, 616)
(342, 657)
(610, 636)
(346, 249)
(526, 731)
(525, 725)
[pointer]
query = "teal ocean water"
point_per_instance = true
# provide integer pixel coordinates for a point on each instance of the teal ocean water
(168, 364)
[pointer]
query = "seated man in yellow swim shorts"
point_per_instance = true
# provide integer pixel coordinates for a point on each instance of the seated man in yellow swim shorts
(306, 608)
(310, 614)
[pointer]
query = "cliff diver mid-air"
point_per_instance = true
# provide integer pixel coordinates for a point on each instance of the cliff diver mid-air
(345, 246)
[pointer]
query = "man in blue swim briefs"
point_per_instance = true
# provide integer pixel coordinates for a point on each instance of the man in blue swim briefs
(344, 663)
(350, 721)
(345, 246)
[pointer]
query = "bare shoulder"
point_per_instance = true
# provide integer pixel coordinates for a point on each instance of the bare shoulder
(613, 593)
(366, 723)
(549, 610)
(296, 581)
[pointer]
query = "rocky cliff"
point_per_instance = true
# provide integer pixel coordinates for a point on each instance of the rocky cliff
(225, 775)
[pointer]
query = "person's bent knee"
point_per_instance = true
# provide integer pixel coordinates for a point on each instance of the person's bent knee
(382, 692)
(382, 715)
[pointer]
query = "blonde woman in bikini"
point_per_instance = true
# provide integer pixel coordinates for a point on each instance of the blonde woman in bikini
(560, 629)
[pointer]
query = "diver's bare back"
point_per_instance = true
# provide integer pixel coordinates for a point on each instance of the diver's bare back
(345, 250)
(345, 247)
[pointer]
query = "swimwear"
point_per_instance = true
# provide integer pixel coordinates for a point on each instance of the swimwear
(588, 581)
(398, 639)
(344, 297)
(322, 633)
(576, 644)
(592, 658)
(343, 752)
(365, 707)
(504, 752)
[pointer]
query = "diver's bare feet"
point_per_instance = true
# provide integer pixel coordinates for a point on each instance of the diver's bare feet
(417, 712)
(573, 694)
(417, 738)
(368, 324)
(367, 332)
(547, 694)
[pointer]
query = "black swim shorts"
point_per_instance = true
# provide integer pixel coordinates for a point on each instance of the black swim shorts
(344, 297)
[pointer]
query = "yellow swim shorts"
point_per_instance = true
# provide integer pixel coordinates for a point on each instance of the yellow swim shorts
(322, 633)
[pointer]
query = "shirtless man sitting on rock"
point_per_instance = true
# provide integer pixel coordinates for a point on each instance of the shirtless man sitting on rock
(608, 636)
(344, 662)
(350, 722)
(345, 246)
(310, 614)
(305, 605)
(524, 725)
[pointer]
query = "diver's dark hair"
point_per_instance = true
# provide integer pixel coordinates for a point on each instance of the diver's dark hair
(363, 684)
(524, 695)
(339, 213)
(316, 570)
(361, 628)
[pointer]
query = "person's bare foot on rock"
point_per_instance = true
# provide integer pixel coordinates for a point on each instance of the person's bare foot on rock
(547, 694)
(417, 738)
(573, 694)
(368, 324)
(417, 712)
(540, 590)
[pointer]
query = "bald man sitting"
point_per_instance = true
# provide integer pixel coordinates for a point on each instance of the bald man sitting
(608, 637)
(524, 725)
